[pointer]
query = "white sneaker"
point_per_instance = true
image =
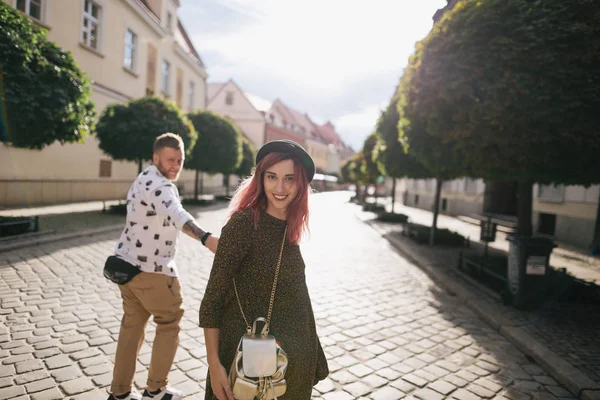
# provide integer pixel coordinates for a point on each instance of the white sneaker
(167, 393)
(133, 395)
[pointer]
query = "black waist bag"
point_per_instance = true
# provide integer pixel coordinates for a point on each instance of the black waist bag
(119, 271)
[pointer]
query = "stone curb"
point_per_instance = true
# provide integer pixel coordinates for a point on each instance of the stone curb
(573, 379)
(57, 237)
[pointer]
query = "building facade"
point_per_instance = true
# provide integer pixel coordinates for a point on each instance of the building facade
(229, 100)
(128, 49)
(282, 125)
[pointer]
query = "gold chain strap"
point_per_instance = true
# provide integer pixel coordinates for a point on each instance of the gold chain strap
(248, 327)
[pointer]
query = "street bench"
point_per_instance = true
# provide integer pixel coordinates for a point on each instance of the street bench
(492, 266)
(10, 226)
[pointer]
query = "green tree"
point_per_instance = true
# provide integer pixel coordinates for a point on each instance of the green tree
(127, 131)
(345, 172)
(248, 159)
(508, 90)
(45, 97)
(390, 154)
(357, 168)
(369, 164)
(219, 146)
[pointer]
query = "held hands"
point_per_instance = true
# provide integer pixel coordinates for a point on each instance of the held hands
(212, 242)
(219, 381)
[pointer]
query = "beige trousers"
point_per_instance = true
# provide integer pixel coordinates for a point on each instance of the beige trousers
(145, 295)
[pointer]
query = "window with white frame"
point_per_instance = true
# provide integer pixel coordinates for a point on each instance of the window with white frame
(91, 24)
(33, 8)
(131, 42)
(166, 75)
(191, 95)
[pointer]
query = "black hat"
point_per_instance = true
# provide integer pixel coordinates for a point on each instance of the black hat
(289, 147)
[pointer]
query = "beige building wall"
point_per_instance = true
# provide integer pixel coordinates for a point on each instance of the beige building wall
(334, 161)
(319, 152)
(230, 101)
(71, 172)
(573, 209)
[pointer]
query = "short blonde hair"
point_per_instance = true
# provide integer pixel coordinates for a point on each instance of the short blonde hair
(168, 140)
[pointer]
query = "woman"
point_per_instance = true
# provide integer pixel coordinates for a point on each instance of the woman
(275, 196)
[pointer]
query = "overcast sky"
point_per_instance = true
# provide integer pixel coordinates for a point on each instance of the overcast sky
(337, 60)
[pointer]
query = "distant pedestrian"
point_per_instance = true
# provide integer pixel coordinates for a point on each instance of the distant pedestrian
(148, 243)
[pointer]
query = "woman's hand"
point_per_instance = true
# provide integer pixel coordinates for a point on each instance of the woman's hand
(219, 382)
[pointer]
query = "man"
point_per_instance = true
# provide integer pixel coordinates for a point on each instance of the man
(149, 241)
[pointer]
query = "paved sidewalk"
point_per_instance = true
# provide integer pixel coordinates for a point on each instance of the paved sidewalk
(566, 332)
(388, 330)
(65, 221)
(577, 262)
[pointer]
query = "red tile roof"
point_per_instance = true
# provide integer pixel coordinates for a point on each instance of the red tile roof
(302, 121)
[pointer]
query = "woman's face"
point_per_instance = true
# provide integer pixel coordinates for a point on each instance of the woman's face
(280, 186)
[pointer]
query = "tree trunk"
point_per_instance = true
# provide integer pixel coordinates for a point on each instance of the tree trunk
(139, 166)
(436, 210)
(201, 182)
(227, 185)
(596, 240)
(524, 208)
(393, 193)
(196, 185)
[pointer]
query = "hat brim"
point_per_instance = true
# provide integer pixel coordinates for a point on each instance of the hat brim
(292, 148)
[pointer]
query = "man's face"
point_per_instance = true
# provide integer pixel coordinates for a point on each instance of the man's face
(169, 162)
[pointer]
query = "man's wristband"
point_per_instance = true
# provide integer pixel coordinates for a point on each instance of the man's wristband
(204, 237)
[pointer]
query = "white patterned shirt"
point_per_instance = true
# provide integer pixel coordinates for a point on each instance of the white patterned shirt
(154, 218)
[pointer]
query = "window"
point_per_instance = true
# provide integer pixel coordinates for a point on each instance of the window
(33, 8)
(169, 21)
(130, 50)
(191, 95)
(179, 87)
(151, 68)
(166, 71)
(552, 193)
(105, 168)
(229, 98)
(91, 24)
(470, 186)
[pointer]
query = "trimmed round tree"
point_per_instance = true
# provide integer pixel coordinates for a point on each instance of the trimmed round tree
(369, 165)
(508, 90)
(127, 131)
(219, 146)
(345, 172)
(45, 97)
(390, 154)
(357, 167)
(248, 159)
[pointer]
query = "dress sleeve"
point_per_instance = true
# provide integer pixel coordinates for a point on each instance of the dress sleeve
(234, 244)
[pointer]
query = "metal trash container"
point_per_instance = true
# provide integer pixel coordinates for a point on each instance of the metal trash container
(528, 258)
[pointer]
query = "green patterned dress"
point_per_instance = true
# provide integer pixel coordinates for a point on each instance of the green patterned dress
(250, 256)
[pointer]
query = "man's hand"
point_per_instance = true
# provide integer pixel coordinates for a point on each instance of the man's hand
(219, 382)
(211, 243)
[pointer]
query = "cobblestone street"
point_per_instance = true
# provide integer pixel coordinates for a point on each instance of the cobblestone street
(388, 331)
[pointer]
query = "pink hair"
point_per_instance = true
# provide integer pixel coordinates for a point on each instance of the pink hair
(251, 194)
